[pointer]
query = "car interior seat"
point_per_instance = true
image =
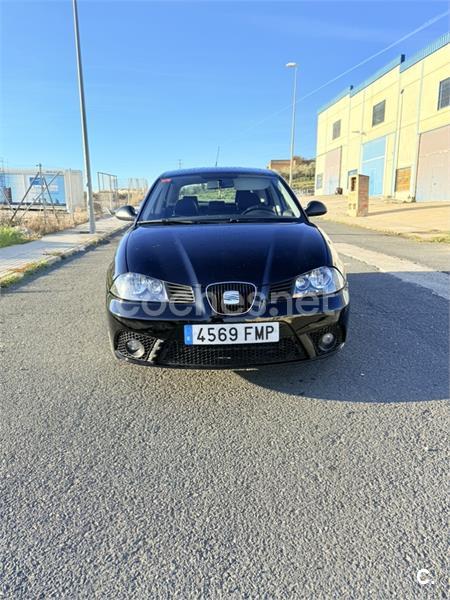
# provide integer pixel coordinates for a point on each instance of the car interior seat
(187, 206)
(220, 207)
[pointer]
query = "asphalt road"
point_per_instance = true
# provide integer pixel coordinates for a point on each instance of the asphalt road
(429, 254)
(314, 481)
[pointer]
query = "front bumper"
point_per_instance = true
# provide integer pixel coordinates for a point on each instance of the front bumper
(163, 335)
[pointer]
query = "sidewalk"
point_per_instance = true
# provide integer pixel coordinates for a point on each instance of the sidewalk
(18, 259)
(419, 220)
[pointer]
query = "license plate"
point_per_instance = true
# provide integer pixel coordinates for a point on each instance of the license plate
(240, 333)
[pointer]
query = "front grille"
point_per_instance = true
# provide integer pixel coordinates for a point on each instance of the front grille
(316, 335)
(281, 290)
(175, 352)
(179, 293)
(246, 293)
(126, 336)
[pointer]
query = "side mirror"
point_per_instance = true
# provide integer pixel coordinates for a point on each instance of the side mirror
(126, 213)
(315, 208)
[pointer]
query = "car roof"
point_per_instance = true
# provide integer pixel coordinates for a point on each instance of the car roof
(220, 171)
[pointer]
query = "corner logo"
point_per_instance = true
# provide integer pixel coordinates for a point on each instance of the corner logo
(231, 297)
(424, 577)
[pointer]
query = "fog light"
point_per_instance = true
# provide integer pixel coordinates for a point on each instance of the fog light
(327, 341)
(135, 348)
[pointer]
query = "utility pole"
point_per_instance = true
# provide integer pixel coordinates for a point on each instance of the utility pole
(84, 133)
(293, 65)
(39, 166)
(41, 195)
(180, 162)
(217, 156)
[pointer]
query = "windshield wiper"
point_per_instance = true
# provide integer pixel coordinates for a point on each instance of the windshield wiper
(216, 220)
(264, 220)
(167, 222)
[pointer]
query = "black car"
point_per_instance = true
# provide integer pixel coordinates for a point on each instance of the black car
(223, 268)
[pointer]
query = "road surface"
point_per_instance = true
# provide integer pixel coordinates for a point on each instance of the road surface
(314, 481)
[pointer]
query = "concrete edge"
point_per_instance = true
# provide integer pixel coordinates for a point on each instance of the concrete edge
(50, 259)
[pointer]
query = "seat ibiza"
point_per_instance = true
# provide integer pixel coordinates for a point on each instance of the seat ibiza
(223, 268)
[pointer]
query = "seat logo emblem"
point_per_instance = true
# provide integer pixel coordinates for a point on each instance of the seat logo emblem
(231, 297)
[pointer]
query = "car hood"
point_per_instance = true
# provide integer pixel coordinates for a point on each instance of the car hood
(200, 254)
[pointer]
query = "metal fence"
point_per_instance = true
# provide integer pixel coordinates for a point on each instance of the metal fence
(113, 193)
(306, 191)
(108, 191)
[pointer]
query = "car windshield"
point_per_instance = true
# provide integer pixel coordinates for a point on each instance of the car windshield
(234, 198)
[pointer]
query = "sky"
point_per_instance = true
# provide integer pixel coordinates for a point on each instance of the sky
(171, 81)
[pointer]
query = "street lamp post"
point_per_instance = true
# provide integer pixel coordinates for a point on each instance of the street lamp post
(293, 65)
(87, 161)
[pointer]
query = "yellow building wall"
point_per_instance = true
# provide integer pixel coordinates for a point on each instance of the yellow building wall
(325, 141)
(436, 68)
(411, 108)
(420, 84)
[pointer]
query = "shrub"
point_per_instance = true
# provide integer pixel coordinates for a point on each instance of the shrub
(12, 235)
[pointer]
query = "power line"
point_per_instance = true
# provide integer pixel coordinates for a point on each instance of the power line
(366, 60)
(347, 71)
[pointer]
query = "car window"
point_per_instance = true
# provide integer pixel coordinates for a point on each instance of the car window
(200, 197)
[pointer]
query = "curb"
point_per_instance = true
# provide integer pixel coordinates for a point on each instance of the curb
(50, 259)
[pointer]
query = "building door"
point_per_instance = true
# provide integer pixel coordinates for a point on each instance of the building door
(332, 171)
(433, 169)
(373, 154)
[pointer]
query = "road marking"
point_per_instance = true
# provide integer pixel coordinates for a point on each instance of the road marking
(406, 270)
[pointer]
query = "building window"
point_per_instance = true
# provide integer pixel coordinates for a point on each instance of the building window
(378, 113)
(403, 179)
(319, 181)
(336, 129)
(444, 93)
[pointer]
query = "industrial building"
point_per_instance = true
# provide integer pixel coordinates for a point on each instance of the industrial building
(393, 127)
(61, 187)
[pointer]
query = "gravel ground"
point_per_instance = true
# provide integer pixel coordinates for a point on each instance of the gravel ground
(314, 481)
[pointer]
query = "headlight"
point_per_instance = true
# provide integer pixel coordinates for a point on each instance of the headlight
(324, 280)
(134, 286)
